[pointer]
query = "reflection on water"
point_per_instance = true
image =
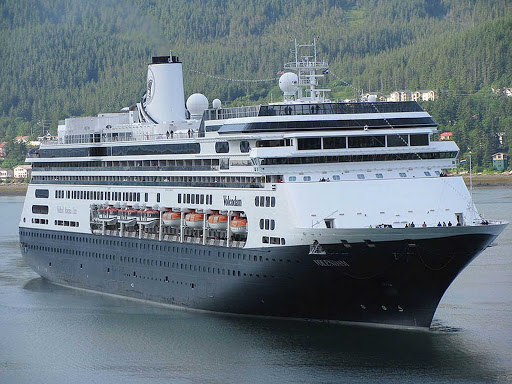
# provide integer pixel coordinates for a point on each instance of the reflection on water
(55, 334)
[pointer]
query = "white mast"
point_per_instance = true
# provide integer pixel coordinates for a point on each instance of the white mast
(309, 70)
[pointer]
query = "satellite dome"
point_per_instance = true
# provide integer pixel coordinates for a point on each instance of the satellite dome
(216, 103)
(372, 98)
(197, 103)
(289, 83)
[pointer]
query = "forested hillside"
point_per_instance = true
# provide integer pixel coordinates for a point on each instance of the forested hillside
(75, 57)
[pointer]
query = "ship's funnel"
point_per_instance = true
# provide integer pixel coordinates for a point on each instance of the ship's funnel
(165, 96)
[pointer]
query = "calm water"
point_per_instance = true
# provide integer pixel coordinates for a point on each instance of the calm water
(51, 334)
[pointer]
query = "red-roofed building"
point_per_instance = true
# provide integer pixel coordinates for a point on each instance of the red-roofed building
(446, 136)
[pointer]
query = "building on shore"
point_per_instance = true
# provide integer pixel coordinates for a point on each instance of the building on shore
(6, 173)
(500, 161)
(22, 171)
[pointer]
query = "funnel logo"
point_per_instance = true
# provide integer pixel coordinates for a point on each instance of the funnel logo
(150, 90)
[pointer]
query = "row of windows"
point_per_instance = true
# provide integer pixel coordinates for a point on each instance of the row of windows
(355, 124)
(362, 141)
(338, 108)
(39, 221)
(146, 246)
(273, 240)
(127, 150)
(264, 201)
(182, 181)
(191, 198)
(359, 176)
(148, 262)
(357, 158)
(103, 195)
(67, 223)
(267, 224)
(180, 165)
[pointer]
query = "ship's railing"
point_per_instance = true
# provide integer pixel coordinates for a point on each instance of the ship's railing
(306, 64)
(113, 138)
(231, 113)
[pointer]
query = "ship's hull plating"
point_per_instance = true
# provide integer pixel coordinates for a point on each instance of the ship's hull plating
(386, 282)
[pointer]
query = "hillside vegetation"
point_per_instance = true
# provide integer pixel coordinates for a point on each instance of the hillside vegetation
(65, 58)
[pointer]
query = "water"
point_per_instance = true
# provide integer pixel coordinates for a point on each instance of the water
(51, 334)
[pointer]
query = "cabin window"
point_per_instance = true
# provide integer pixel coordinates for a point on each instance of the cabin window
(272, 201)
(360, 176)
(309, 143)
(222, 147)
(336, 177)
(244, 146)
(292, 178)
(427, 173)
(403, 174)
(307, 178)
(261, 223)
(379, 175)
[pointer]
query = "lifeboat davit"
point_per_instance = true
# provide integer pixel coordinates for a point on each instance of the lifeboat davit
(194, 220)
(217, 221)
(172, 219)
(238, 225)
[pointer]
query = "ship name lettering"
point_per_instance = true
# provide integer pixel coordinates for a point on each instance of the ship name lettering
(331, 263)
(68, 210)
(234, 202)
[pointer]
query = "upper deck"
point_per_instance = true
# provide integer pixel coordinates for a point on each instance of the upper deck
(291, 109)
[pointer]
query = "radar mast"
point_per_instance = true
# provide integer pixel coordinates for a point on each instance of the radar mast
(309, 69)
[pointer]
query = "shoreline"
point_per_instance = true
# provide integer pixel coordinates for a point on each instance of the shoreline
(479, 181)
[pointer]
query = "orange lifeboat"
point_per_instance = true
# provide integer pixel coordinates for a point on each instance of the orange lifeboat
(217, 221)
(172, 219)
(238, 225)
(194, 220)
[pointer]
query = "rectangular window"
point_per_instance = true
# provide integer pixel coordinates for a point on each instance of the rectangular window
(40, 209)
(417, 140)
(366, 141)
(309, 143)
(335, 142)
(398, 140)
(42, 193)
(179, 197)
(157, 197)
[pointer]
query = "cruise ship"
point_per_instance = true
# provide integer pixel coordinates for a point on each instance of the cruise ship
(304, 208)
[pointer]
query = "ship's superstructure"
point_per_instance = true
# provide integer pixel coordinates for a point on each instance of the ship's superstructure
(304, 208)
